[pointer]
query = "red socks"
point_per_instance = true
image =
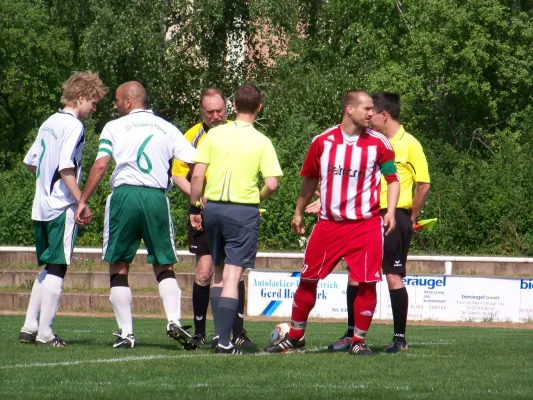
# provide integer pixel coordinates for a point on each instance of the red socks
(364, 307)
(303, 303)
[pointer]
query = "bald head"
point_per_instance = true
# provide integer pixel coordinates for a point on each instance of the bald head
(129, 96)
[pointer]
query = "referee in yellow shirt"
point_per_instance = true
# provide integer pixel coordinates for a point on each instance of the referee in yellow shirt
(234, 153)
(413, 171)
(214, 113)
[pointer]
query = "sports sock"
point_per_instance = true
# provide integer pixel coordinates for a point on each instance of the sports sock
(121, 301)
(303, 303)
(51, 292)
(200, 303)
(351, 294)
(227, 309)
(34, 306)
(170, 294)
(364, 307)
(399, 300)
(238, 325)
(214, 297)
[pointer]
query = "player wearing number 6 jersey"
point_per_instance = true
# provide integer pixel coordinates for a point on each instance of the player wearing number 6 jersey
(55, 160)
(142, 146)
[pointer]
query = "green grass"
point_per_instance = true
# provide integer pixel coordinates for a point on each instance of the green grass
(442, 362)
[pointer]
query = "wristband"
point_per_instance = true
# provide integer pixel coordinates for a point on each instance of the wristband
(195, 209)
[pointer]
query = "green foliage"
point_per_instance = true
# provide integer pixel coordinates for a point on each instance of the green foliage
(464, 71)
(35, 58)
(17, 187)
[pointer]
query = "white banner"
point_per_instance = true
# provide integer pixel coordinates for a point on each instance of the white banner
(438, 298)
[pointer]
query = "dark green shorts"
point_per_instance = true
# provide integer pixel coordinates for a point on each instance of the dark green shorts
(133, 213)
(54, 240)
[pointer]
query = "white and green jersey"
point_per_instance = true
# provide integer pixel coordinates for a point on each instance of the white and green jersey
(58, 146)
(143, 146)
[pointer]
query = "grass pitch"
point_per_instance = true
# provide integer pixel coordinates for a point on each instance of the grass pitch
(442, 363)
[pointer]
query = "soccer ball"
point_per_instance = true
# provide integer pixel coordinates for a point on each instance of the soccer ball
(279, 332)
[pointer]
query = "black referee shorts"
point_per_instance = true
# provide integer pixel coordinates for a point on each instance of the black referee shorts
(396, 244)
(197, 241)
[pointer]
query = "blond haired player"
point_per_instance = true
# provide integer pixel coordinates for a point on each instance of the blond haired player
(55, 160)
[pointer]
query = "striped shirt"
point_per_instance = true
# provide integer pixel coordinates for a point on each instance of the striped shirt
(349, 169)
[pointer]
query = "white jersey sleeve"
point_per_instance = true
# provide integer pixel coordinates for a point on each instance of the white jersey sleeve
(32, 156)
(181, 148)
(106, 143)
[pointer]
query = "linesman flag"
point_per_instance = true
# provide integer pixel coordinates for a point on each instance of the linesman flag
(425, 225)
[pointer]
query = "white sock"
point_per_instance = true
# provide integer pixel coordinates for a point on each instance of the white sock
(34, 306)
(121, 301)
(171, 295)
(51, 292)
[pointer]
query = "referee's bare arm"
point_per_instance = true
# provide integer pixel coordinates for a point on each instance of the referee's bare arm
(183, 184)
(419, 199)
(197, 182)
(268, 189)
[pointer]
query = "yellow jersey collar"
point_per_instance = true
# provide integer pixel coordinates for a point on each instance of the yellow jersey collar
(241, 123)
(399, 135)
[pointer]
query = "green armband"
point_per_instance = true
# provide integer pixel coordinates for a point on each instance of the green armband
(388, 168)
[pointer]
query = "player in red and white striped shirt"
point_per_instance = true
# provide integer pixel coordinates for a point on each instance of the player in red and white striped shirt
(348, 161)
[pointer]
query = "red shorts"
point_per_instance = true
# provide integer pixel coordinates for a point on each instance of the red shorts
(360, 243)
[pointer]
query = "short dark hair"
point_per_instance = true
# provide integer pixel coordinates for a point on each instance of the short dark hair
(209, 92)
(389, 102)
(351, 97)
(247, 99)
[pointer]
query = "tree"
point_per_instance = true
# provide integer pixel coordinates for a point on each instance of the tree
(35, 58)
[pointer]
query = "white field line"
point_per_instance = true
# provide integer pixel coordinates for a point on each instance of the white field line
(145, 358)
(102, 361)
(116, 360)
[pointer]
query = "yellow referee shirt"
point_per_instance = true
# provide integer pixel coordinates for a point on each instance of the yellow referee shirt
(235, 153)
(195, 136)
(411, 165)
